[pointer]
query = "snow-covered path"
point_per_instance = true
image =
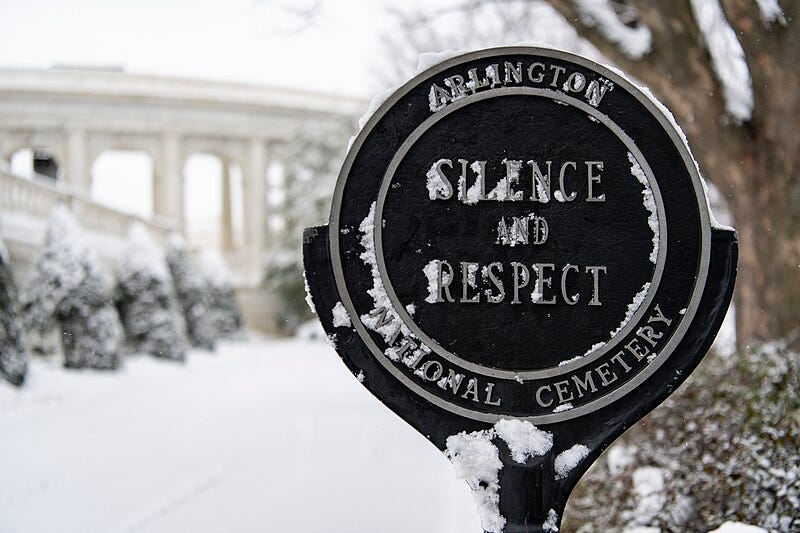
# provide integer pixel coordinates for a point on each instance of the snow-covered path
(267, 436)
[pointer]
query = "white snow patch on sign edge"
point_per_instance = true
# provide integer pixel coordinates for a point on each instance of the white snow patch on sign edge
(632, 308)
(331, 340)
(560, 408)
(376, 102)
(341, 319)
(567, 460)
(393, 323)
(309, 299)
(648, 199)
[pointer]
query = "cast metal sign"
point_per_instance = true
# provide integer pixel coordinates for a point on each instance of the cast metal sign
(520, 233)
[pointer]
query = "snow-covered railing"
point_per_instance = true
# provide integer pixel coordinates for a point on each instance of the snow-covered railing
(32, 198)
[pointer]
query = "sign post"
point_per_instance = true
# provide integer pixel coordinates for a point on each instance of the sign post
(521, 263)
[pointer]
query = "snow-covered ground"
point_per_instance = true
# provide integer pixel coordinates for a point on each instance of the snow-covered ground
(265, 435)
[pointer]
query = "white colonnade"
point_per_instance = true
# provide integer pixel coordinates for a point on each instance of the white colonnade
(77, 115)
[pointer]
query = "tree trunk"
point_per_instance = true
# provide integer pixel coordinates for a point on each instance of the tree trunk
(767, 211)
(768, 285)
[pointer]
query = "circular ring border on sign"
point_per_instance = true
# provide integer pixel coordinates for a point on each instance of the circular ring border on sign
(498, 372)
(678, 142)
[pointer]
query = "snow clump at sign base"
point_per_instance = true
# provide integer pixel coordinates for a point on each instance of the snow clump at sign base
(524, 439)
(477, 461)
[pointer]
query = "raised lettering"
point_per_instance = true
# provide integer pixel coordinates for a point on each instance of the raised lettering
(489, 400)
(563, 196)
(472, 391)
(539, 396)
(521, 278)
(637, 350)
(595, 271)
(584, 386)
(592, 179)
(607, 376)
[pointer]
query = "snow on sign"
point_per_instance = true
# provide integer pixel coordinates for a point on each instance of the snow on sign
(520, 255)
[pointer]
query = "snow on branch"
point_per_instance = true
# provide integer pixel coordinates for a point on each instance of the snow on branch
(634, 41)
(727, 58)
(771, 13)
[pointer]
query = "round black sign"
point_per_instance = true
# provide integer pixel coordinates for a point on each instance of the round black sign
(520, 232)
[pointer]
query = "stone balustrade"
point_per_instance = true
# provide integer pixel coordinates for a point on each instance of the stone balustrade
(35, 199)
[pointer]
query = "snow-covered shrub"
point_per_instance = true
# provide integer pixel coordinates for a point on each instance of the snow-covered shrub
(68, 294)
(145, 299)
(726, 445)
(192, 294)
(56, 274)
(13, 355)
(91, 331)
(226, 316)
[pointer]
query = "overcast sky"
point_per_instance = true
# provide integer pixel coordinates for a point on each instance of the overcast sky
(259, 41)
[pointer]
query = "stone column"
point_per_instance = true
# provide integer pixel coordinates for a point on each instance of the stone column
(77, 174)
(255, 205)
(168, 182)
(277, 193)
(226, 215)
